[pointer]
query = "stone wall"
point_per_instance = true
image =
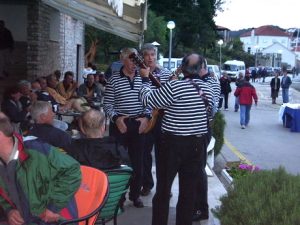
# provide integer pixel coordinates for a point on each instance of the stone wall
(45, 55)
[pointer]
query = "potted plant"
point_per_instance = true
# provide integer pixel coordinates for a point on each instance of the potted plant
(262, 198)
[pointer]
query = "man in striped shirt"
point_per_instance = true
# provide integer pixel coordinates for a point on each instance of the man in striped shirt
(149, 54)
(186, 105)
(201, 204)
(129, 118)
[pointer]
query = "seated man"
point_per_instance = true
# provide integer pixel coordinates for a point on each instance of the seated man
(37, 182)
(67, 87)
(95, 150)
(75, 104)
(42, 114)
(14, 110)
(89, 89)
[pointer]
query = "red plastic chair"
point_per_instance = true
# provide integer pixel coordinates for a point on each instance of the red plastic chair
(90, 197)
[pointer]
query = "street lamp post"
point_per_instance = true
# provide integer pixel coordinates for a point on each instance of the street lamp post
(220, 43)
(256, 48)
(170, 26)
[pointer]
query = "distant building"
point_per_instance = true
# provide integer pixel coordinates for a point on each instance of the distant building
(224, 33)
(45, 39)
(262, 37)
(276, 55)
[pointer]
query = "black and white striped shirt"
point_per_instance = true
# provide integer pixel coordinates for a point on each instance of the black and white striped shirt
(185, 112)
(215, 86)
(162, 75)
(122, 96)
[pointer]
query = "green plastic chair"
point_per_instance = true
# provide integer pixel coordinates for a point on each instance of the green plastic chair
(118, 185)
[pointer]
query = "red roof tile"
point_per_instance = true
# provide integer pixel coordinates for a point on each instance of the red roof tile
(297, 50)
(267, 31)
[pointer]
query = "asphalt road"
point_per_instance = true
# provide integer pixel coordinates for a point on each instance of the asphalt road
(265, 142)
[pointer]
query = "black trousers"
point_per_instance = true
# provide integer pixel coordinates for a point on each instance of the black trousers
(201, 201)
(153, 139)
(134, 143)
(182, 155)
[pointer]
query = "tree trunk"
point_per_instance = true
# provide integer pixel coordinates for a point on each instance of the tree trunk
(91, 54)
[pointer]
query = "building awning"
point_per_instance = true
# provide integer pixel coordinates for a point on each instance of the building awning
(125, 18)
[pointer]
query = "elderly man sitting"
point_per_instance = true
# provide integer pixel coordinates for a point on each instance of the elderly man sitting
(37, 182)
(43, 116)
(95, 150)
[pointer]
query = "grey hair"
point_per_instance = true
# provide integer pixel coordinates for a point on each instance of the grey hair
(125, 52)
(148, 47)
(38, 108)
(92, 121)
(22, 83)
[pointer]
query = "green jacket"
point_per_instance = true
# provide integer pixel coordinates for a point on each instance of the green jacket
(48, 178)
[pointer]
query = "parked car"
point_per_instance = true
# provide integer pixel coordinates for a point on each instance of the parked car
(174, 63)
(215, 69)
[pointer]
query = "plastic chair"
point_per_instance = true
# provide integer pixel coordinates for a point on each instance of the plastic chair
(90, 197)
(118, 184)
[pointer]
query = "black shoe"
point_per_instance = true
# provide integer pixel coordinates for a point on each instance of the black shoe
(200, 216)
(138, 203)
(145, 191)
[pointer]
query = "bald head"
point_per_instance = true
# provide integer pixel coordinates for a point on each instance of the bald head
(192, 64)
(92, 123)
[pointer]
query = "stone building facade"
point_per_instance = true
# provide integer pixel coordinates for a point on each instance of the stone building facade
(45, 39)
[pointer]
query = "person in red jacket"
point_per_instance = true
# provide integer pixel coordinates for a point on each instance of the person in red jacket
(246, 92)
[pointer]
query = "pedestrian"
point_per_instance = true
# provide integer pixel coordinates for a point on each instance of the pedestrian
(239, 81)
(275, 86)
(285, 85)
(253, 75)
(246, 92)
(187, 104)
(225, 90)
(6, 48)
(201, 209)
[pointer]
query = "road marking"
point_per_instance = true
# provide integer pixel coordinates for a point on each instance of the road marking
(237, 152)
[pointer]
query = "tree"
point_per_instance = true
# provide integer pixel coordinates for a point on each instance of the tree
(195, 27)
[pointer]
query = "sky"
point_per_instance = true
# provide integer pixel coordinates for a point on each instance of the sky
(239, 14)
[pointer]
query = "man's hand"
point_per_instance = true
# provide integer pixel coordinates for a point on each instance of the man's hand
(49, 217)
(145, 72)
(121, 125)
(14, 217)
(143, 124)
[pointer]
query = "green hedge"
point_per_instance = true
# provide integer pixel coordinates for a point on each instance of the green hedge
(218, 127)
(262, 198)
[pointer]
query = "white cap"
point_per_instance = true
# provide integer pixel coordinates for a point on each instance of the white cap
(87, 71)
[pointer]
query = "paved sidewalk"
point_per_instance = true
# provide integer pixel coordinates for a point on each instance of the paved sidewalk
(143, 216)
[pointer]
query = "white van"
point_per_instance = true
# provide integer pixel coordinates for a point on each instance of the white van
(175, 63)
(233, 68)
(215, 69)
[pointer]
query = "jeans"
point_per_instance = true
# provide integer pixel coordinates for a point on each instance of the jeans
(236, 104)
(285, 95)
(245, 114)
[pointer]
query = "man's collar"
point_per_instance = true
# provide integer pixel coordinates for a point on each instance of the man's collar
(194, 76)
(122, 74)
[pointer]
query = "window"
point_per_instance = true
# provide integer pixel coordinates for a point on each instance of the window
(54, 23)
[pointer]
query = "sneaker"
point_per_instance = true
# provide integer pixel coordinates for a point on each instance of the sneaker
(138, 203)
(243, 127)
(200, 216)
(226, 109)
